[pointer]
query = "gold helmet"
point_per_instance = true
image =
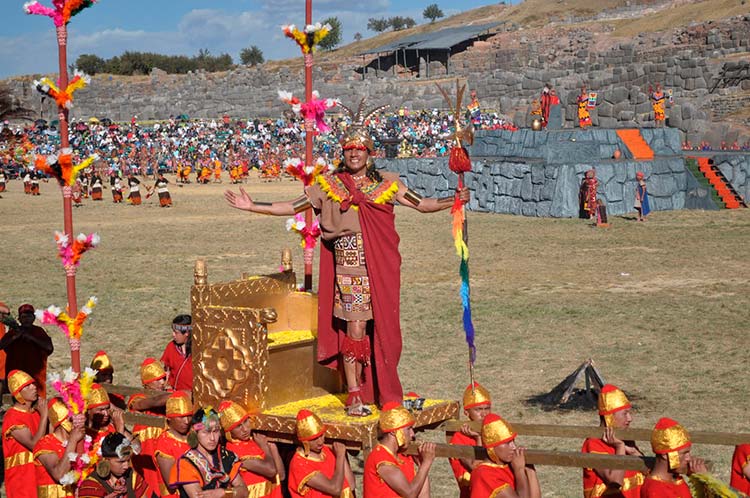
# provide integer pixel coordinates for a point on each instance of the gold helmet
(394, 418)
(611, 400)
(17, 380)
(357, 135)
(668, 438)
(476, 397)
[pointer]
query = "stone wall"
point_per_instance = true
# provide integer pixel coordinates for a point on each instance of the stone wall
(538, 173)
(736, 168)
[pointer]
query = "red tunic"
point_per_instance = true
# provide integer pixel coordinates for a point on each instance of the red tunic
(463, 476)
(740, 460)
(92, 487)
(168, 446)
(180, 368)
(593, 486)
(488, 479)
(656, 488)
(46, 486)
(257, 485)
(144, 463)
(98, 435)
(374, 485)
(20, 481)
(303, 468)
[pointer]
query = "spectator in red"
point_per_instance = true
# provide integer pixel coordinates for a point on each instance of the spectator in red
(27, 347)
(177, 358)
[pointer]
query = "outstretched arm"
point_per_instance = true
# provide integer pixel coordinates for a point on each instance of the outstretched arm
(413, 200)
(244, 202)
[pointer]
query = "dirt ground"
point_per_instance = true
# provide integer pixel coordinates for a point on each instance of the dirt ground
(660, 306)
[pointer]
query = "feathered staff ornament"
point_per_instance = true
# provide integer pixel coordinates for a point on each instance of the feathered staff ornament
(70, 254)
(306, 174)
(61, 166)
(71, 327)
(308, 39)
(315, 109)
(309, 234)
(61, 13)
(63, 98)
(460, 163)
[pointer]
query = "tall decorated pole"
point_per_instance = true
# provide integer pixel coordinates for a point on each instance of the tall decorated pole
(61, 166)
(459, 162)
(312, 110)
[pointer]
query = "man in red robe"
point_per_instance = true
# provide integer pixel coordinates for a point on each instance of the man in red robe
(262, 468)
(172, 442)
(51, 453)
(315, 471)
(507, 475)
(477, 405)
(101, 418)
(177, 358)
(671, 443)
(615, 412)
(359, 283)
(24, 424)
(389, 472)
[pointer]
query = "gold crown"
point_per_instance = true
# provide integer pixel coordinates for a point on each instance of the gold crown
(179, 405)
(101, 362)
(496, 431)
(309, 426)
(357, 133)
(58, 415)
(97, 397)
(17, 380)
(479, 396)
(151, 371)
(394, 416)
(231, 415)
(669, 436)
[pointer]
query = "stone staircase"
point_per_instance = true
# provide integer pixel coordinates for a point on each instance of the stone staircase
(635, 143)
(729, 196)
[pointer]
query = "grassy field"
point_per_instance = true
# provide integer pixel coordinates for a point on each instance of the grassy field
(660, 306)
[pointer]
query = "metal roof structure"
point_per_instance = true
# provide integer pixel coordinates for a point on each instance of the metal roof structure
(444, 39)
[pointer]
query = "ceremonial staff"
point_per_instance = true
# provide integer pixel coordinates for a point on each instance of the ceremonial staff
(459, 162)
(63, 168)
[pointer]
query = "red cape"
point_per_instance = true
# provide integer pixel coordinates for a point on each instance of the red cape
(384, 270)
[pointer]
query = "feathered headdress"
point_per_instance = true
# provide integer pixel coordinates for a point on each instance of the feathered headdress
(357, 135)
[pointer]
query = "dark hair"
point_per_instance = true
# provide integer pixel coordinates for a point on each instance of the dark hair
(182, 320)
(110, 444)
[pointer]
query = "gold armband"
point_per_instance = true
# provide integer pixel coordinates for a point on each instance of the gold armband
(413, 197)
(229, 493)
(266, 204)
(301, 204)
(444, 200)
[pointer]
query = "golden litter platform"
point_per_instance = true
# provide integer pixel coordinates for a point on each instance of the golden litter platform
(254, 341)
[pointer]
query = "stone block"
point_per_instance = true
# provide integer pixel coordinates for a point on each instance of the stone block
(537, 174)
(606, 122)
(617, 95)
(526, 188)
(605, 109)
(565, 199)
(626, 115)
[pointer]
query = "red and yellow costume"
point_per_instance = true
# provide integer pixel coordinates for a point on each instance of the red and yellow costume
(489, 478)
(20, 481)
(180, 368)
(144, 463)
(667, 438)
(232, 415)
(584, 118)
(395, 419)
(305, 465)
(95, 487)
(98, 397)
(168, 445)
(474, 396)
(611, 400)
(740, 460)
(46, 486)
(658, 103)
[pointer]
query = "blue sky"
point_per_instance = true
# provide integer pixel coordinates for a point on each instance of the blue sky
(27, 43)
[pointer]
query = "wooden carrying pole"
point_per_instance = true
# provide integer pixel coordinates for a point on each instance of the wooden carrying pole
(582, 432)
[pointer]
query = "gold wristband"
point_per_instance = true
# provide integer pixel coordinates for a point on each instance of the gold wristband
(447, 199)
(413, 197)
(266, 204)
(301, 204)
(229, 493)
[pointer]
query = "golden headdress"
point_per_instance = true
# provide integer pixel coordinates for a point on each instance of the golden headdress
(151, 371)
(58, 414)
(309, 426)
(496, 431)
(476, 397)
(17, 380)
(101, 362)
(98, 397)
(179, 405)
(394, 418)
(357, 134)
(231, 415)
(669, 437)
(611, 400)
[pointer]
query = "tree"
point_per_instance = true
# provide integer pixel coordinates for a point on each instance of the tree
(377, 25)
(251, 56)
(432, 12)
(357, 36)
(409, 22)
(334, 36)
(396, 22)
(90, 63)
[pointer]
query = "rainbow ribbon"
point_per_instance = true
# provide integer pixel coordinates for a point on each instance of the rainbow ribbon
(462, 250)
